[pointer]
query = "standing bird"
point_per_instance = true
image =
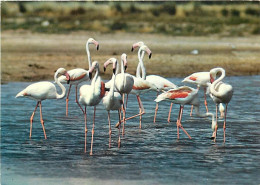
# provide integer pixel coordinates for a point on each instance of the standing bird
(123, 83)
(141, 86)
(44, 90)
(91, 95)
(220, 93)
(113, 100)
(79, 75)
(184, 95)
(199, 79)
(161, 83)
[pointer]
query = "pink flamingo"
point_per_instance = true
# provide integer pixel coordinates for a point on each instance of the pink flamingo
(200, 79)
(91, 95)
(44, 90)
(162, 84)
(79, 75)
(123, 83)
(220, 93)
(184, 95)
(113, 100)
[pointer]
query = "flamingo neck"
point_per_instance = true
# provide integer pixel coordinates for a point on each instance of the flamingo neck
(214, 84)
(140, 57)
(95, 79)
(213, 124)
(63, 89)
(89, 57)
(111, 91)
(122, 67)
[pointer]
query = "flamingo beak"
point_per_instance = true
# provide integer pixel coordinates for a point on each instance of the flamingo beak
(97, 46)
(105, 69)
(150, 55)
(114, 70)
(125, 68)
(67, 77)
(90, 75)
(211, 79)
(132, 49)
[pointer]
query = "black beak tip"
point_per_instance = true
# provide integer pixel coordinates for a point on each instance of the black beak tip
(97, 47)
(125, 68)
(104, 69)
(150, 56)
(132, 49)
(114, 71)
(68, 81)
(90, 76)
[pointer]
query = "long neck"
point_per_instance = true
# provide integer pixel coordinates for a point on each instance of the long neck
(111, 91)
(142, 64)
(89, 57)
(63, 89)
(213, 86)
(213, 124)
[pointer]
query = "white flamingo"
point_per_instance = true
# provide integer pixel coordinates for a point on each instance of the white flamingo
(44, 90)
(123, 83)
(161, 83)
(91, 95)
(184, 95)
(220, 93)
(113, 100)
(79, 75)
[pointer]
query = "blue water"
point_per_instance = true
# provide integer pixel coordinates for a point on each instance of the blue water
(152, 155)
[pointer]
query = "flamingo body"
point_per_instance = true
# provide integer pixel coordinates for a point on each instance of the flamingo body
(160, 82)
(199, 78)
(76, 76)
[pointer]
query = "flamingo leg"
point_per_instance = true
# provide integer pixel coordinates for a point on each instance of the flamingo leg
(224, 125)
(67, 101)
(109, 124)
(42, 122)
(177, 123)
(119, 140)
(31, 119)
(124, 113)
(181, 111)
(141, 112)
(205, 99)
(214, 134)
(156, 109)
(91, 153)
(86, 129)
(169, 114)
(126, 100)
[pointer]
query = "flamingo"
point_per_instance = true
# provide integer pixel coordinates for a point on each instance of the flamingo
(123, 83)
(113, 100)
(141, 86)
(161, 83)
(41, 91)
(91, 95)
(184, 95)
(220, 93)
(200, 79)
(79, 75)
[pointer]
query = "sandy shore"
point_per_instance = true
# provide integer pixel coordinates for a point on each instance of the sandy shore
(30, 56)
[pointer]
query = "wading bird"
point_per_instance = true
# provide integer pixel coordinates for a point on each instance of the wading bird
(44, 90)
(79, 75)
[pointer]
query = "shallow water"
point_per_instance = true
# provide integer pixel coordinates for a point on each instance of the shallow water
(152, 155)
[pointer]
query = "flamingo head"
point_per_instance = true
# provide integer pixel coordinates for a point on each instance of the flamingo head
(93, 41)
(123, 58)
(63, 71)
(215, 72)
(95, 65)
(111, 61)
(138, 44)
(146, 49)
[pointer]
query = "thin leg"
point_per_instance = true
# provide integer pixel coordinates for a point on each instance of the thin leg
(31, 119)
(156, 109)
(177, 123)
(119, 140)
(214, 135)
(141, 110)
(91, 153)
(169, 114)
(67, 101)
(124, 113)
(109, 125)
(86, 129)
(191, 109)
(224, 125)
(205, 99)
(126, 100)
(180, 123)
(42, 122)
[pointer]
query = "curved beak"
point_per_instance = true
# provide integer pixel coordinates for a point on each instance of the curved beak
(132, 49)
(125, 68)
(67, 77)
(150, 55)
(211, 79)
(90, 75)
(105, 69)
(114, 70)
(97, 46)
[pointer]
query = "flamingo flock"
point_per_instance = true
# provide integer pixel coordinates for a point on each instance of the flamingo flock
(113, 93)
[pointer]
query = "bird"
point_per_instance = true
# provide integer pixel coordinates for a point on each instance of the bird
(123, 83)
(79, 75)
(199, 79)
(184, 95)
(141, 86)
(113, 100)
(40, 91)
(221, 110)
(161, 83)
(220, 92)
(91, 95)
